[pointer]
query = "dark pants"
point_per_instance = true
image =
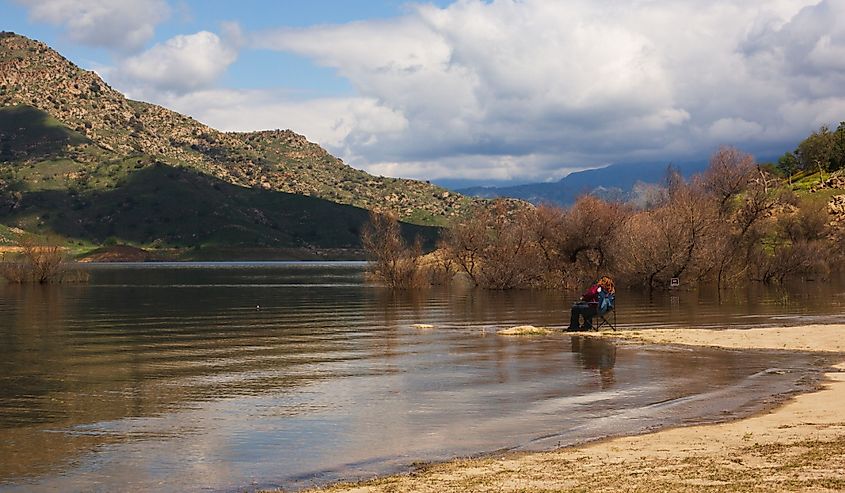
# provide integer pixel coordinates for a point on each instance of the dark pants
(585, 310)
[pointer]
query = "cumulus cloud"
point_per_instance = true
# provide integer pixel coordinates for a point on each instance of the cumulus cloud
(518, 88)
(120, 24)
(330, 121)
(182, 64)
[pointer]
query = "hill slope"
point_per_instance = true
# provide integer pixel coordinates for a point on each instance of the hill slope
(56, 181)
(79, 160)
(33, 75)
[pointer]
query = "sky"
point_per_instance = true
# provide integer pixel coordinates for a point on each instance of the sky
(481, 91)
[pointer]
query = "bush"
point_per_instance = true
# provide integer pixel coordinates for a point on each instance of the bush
(735, 222)
(496, 248)
(40, 263)
(392, 261)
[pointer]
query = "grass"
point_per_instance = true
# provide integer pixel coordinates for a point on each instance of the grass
(8, 236)
(803, 181)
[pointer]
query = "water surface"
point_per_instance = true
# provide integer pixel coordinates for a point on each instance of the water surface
(230, 377)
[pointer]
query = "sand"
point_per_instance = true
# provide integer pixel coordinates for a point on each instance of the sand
(525, 330)
(799, 446)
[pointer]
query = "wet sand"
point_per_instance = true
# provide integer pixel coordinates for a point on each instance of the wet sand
(798, 446)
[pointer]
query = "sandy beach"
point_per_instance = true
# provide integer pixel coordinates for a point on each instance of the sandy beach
(798, 446)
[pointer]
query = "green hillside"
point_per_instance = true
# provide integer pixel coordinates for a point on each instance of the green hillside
(178, 207)
(57, 183)
(35, 76)
(79, 160)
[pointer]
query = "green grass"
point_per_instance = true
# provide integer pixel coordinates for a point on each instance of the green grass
(7, 236)
(803, 181)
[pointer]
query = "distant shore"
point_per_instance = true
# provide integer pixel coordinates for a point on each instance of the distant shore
(798, 446)
(125, 253)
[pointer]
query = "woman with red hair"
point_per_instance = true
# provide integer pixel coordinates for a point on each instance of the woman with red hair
(589, 306)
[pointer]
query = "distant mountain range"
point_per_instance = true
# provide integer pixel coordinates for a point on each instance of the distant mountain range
(80, 160)
(611, 182)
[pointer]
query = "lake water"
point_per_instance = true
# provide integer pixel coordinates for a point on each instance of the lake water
(233, 377)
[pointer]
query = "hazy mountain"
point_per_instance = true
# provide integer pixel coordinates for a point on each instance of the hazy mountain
(612, 182)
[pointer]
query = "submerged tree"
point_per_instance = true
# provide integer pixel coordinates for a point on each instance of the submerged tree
(393, 261)
(733, 222)
(496, 247)
(41, 262)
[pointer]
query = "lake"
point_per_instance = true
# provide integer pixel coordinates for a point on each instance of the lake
(234, 377)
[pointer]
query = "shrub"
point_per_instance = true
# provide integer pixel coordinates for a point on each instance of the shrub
(40, 263)
(496, 247)
(392, 261)
(791, 259)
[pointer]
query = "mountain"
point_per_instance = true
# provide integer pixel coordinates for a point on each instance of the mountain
(77, 158)
(613, 182)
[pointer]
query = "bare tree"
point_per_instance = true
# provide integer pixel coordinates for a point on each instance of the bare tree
(393, 262)
(591, 228)
(40, 261)
(464, 244)
(790, 259)
(728, 175)
(668, 241)
(549, 237)
(747, 198)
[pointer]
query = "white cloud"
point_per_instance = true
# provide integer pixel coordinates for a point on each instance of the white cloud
(482, 168)
(182, 64)
(527, 88)
(730, 130)
(122, 24)
(532, 89)
(334, 122)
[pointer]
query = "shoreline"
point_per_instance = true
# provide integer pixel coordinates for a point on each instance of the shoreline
(798, 445)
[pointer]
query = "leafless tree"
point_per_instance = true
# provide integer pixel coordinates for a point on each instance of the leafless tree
(791, 259)
(591, 229)
(40, 261)
(668, 241)
(393, 261)
(728, 175)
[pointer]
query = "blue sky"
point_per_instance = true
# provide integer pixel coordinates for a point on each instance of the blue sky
(253, 69)
(503, 90)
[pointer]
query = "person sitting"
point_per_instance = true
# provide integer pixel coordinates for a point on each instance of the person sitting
(588, 307)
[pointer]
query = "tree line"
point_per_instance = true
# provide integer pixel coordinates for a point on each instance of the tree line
(733, 223)
(823, 150)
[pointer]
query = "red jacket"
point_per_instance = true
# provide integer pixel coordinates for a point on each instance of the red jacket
(591, 295)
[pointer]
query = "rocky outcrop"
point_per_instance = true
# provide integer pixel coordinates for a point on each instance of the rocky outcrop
(836, 208)
(33, 74)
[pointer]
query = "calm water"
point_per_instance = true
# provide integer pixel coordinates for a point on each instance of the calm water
(234, 377)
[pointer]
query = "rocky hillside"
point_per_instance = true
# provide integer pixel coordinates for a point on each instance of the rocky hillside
(55, 181)
(108, 126)
(832, 189)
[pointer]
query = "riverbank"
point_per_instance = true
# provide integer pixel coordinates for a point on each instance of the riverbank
(126, 253)
(799, 446)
